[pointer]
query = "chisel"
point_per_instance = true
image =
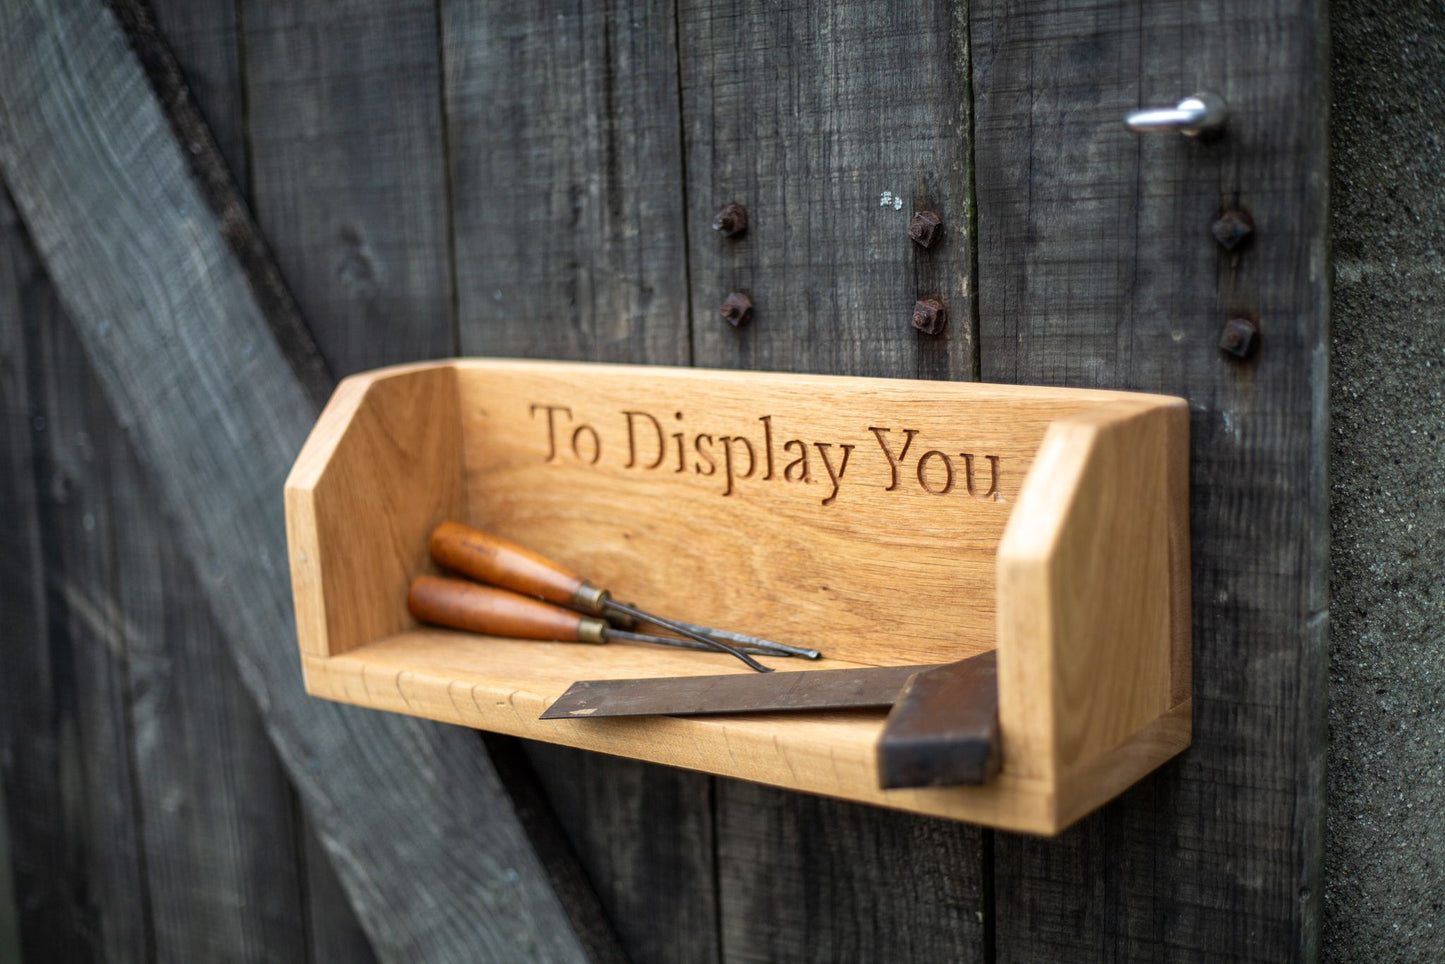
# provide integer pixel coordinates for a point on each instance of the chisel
(491, 611)
(495, 560)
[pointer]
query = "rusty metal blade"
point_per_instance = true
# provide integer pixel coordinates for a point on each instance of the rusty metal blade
(943, 730)
(825, 689)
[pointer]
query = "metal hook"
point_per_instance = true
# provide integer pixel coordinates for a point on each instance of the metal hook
(1192, 116)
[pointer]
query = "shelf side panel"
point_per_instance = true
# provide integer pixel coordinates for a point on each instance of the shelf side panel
(381, 469)
(1088, 576)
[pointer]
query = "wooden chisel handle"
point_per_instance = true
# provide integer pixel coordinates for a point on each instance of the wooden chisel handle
(459, 604)
(493, 559)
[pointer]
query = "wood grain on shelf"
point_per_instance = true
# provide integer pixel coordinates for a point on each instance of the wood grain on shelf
(505, 685)
(1080, 620)
(784, 544)
(383, 463)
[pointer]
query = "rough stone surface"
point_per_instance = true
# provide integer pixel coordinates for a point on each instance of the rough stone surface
(1385, 845)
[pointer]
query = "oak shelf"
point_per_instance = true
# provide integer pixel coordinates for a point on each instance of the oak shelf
(885, 522)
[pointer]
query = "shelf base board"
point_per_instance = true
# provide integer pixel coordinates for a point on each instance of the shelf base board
(504, 686)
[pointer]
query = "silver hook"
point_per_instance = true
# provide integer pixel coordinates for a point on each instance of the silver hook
(1192, 116)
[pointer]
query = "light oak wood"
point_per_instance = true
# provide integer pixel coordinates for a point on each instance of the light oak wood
(383, 463)
(1058, 540)
(1085, 590)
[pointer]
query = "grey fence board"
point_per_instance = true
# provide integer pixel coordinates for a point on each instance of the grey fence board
(567, 192)
(200, 54)
(214, 812)
(74, 826)
(348, 176)
(566, 180)
(1097, 268)
(76, 110)
(805, 878)
(806, 114)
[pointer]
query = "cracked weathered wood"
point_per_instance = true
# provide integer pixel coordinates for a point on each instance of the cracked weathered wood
(566, 190)
(194, 373)
(832, 123)
(807, 113)
(72, 802)
(566, 178)
(348, 175)
(1097, 268)
(195, 70)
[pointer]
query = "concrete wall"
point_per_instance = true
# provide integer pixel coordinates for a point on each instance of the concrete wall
(1385, 844)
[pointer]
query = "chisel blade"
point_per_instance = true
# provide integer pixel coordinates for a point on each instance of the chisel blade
(825, 689)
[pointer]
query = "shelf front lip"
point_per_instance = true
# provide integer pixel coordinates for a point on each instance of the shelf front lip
(828, 754)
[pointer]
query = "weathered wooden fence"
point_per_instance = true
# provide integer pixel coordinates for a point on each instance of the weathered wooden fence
(435, 178)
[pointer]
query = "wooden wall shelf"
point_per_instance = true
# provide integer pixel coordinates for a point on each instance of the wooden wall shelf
(885, 522)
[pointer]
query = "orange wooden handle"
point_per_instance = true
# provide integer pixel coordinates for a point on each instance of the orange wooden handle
(486, 609)
(493, 559)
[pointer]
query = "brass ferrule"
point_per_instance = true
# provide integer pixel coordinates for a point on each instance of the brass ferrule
(588, 597)
(592, 630)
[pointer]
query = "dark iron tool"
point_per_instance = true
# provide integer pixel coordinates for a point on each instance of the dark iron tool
(942, 731)
(823, 689)
(492, 611)
(747, 643)
(498, 561)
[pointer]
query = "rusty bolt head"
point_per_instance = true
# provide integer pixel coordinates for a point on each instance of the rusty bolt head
(731, 220)
(1239, 337)
(930, 316)
(1232, 229)
(926, 228)
(737, 309)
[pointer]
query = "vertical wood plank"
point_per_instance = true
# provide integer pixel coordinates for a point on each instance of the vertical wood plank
(28, 749)
(567, 185)
(805, 878)
(69, 793)
(348, 175)
(206, 829)
(221, 860)
(9, 916)
(645, 835)
(102, 798)
(1097, 268)
(566, 178)
(213, 806)
(805, 113)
